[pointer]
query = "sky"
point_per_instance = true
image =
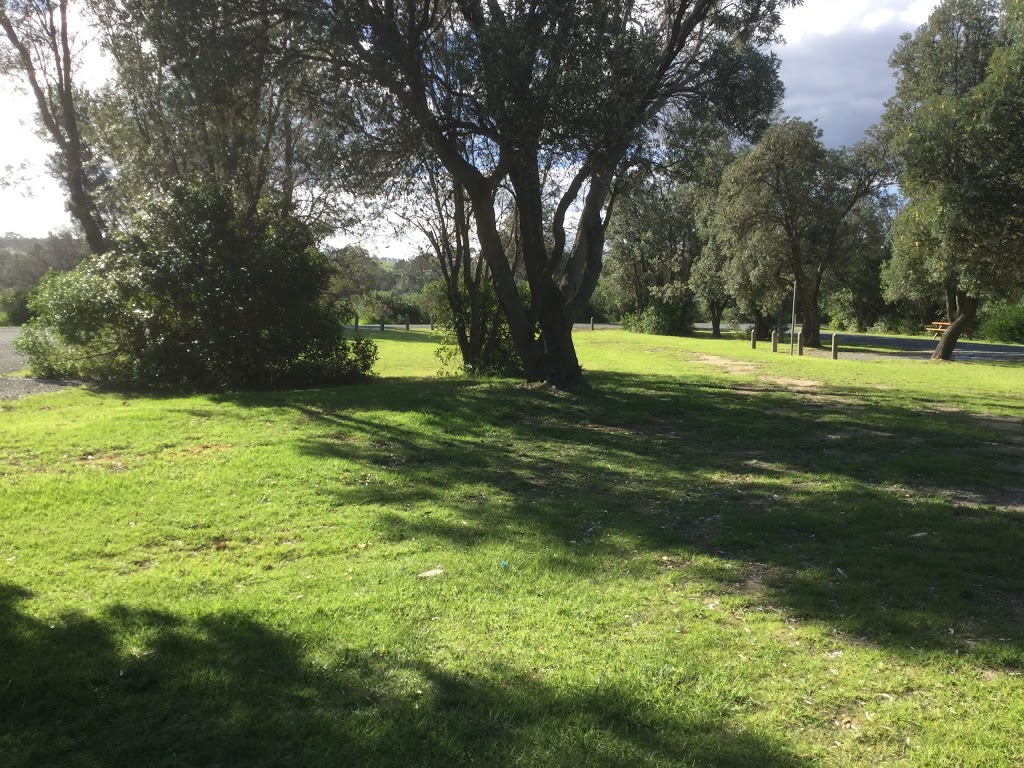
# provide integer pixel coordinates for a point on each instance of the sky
(834, 66)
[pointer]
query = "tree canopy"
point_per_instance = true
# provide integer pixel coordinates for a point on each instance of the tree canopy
(785, 211)
(551, 98)
(955, 125)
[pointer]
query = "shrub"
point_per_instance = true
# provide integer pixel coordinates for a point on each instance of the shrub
(672, 312)
(197, 293)
(1005, 322)
(388, 307)
(14, 307)
(489, 350)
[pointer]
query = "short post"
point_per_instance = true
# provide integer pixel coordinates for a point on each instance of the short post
(407, 322)
(431, 323)
(382, 324)
(357, 322)
(775, 341)
(591, 323)
(835, 346)
(753, 338)
(800, 343)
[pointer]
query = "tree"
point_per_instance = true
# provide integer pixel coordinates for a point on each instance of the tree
(852, 289)
(507, 91)
(354, 271)
(25, 260)
(785, 212)
(41, 48)
(652, 242)
(214, 89)
(955, 126)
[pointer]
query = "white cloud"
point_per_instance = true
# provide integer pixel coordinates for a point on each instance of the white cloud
(828, 17)
(35, 205)
(835, 61)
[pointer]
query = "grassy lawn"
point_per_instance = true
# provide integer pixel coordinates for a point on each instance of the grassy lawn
(719, 557)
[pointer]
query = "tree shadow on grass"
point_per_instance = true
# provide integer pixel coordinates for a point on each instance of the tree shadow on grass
(139, 687)
(899, 526)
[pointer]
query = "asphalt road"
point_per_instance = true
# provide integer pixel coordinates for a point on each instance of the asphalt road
(10, 361)
(966, 351)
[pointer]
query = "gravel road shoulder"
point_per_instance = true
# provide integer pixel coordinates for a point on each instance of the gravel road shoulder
(11, 388)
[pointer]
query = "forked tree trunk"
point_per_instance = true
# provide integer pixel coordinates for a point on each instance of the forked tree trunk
(966, 312)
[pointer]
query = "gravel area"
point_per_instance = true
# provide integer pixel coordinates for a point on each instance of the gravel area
(12, 388)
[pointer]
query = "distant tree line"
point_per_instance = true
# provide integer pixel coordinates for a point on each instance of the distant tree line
(922, 220)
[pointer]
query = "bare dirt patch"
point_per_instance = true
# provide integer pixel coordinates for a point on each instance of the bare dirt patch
(729, 366)
(797, 384)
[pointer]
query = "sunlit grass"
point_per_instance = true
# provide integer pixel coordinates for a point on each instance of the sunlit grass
(719, 557)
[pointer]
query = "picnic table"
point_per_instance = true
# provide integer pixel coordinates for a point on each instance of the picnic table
(937, 328)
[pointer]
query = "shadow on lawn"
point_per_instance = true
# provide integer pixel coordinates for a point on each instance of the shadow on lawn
(135, 687)
(884, 521)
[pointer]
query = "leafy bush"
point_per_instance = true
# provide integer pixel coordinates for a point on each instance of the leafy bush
(487, 351)
(1005, 322)
(14, 307)
(672, 312)
(388, 307)
(200, 294)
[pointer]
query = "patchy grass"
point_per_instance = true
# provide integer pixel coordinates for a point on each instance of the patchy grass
(719, 557)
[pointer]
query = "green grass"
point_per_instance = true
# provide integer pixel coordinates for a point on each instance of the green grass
(719, 557)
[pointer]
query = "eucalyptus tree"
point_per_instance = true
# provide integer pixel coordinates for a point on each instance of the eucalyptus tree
(214, 90)
(652, 242)
(955, 126)
(39, 48)
(506, 90)
(785, 210)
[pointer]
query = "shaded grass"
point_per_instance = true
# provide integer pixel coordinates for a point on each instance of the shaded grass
(692, 565)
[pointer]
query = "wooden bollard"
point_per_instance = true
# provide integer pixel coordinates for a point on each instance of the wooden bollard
(431, 323)
(357, 323)
(407, 322)
(800, 343)
(835, 346)
(382, 325)
(753, 338)
(591, 323)
(775, 341)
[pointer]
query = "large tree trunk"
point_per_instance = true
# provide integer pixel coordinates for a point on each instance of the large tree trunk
(553, 356)
(951, 301)
(966, 312)
(717, 309)
(811, 328)
(762, 326)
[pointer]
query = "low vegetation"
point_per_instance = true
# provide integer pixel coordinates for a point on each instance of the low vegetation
(197, 293)
(719, 557)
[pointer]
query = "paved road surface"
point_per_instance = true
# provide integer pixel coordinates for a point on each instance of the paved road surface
(10, 361)
(966, 351)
